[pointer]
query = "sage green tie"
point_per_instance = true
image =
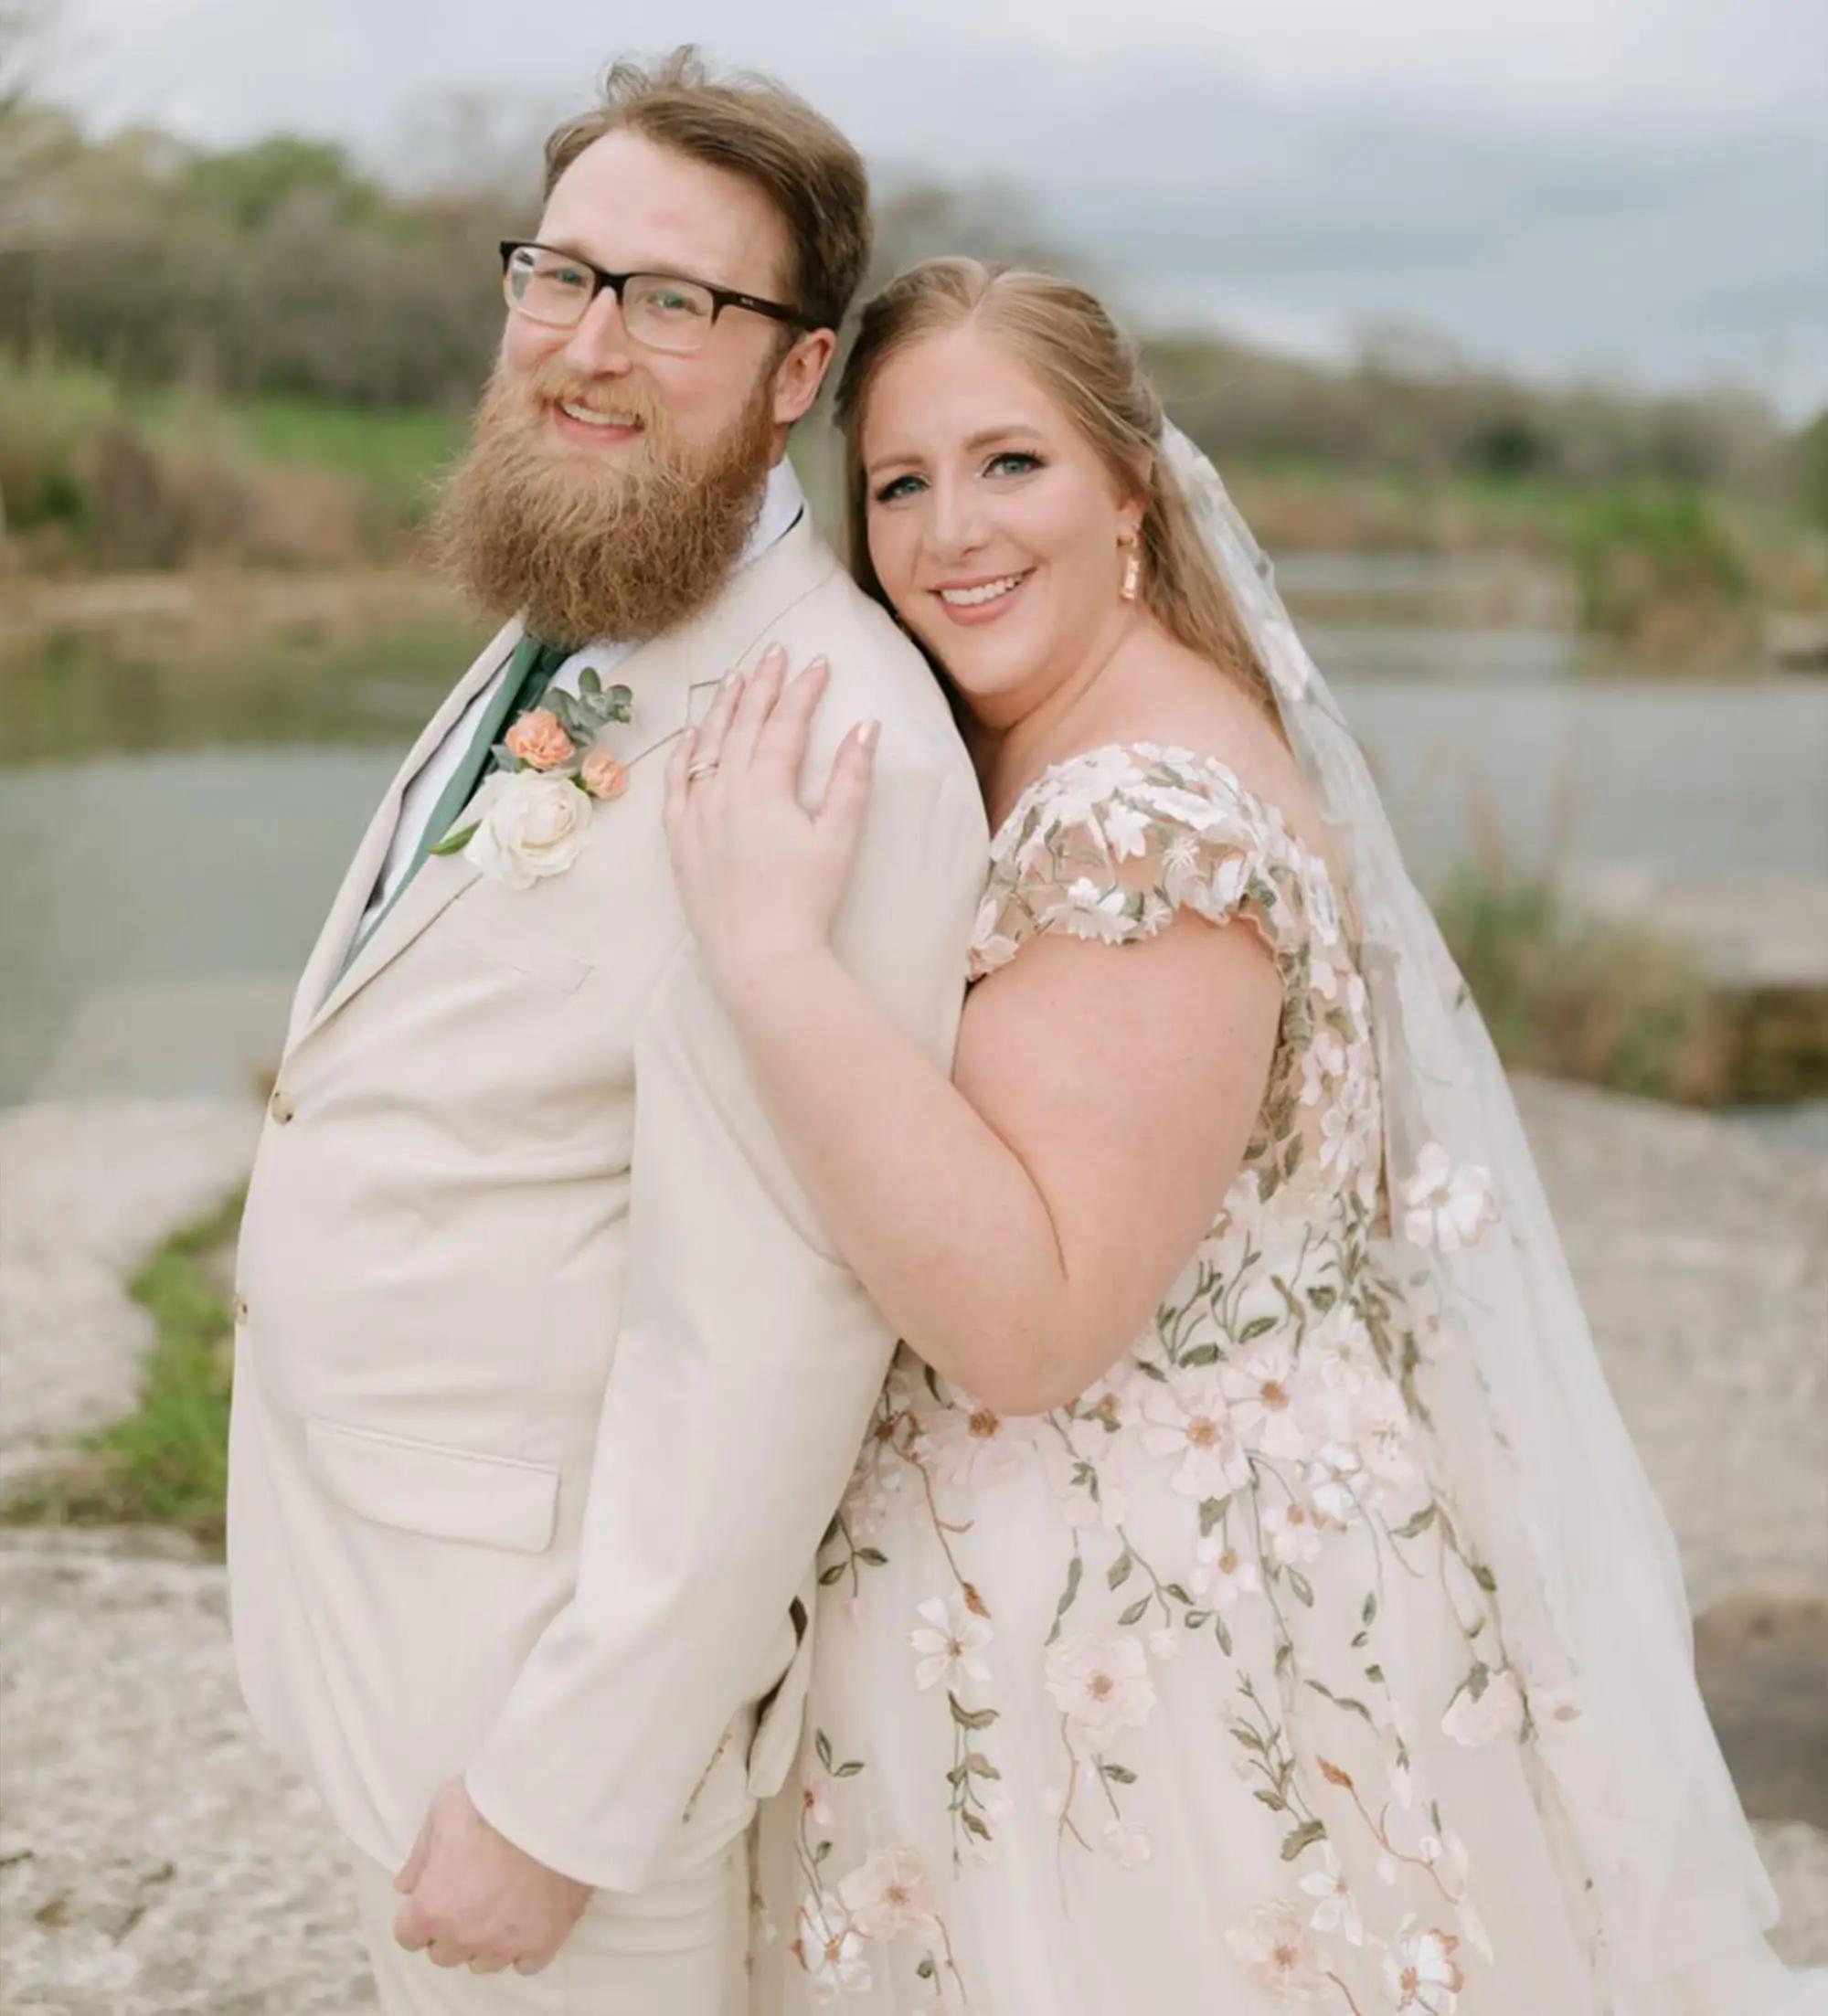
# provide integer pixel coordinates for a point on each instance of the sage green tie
(529, 672)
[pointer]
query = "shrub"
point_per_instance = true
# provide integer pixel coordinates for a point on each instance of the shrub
(1575, 997)
(1658, 571)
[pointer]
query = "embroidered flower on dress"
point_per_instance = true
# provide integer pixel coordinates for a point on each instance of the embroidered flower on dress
(889, 1894)
(1096, 913)
(949, 1643)
(1190, 1419)
(1129, 1844)
(1292, 1532)
(1449, 1207)
(971, 1445)
(1489, 1705)
(1276, 1951)
(836, 1959)
(1421, 1971)
(1223, 1574)
(1266, 1395)
(1336, 1911)
(1100, 1684)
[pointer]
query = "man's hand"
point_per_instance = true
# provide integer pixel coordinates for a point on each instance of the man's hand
(472, 1896)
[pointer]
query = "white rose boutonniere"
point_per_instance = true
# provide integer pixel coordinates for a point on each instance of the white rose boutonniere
(532, 825)
(553, 768)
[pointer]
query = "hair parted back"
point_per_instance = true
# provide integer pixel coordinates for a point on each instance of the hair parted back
(1093, 372)
(749, 125)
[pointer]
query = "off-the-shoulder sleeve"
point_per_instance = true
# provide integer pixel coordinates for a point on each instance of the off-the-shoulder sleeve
(1112, 844)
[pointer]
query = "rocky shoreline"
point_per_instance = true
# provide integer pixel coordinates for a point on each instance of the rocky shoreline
(155, 1861)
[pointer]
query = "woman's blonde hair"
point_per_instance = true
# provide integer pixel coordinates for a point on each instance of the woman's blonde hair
(1092, 371)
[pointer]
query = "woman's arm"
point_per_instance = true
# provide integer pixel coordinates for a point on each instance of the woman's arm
(1018, 1224)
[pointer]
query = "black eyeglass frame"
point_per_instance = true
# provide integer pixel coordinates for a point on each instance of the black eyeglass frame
(721, 297)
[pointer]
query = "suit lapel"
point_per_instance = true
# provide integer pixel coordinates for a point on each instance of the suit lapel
(312, 999)
(673, 678)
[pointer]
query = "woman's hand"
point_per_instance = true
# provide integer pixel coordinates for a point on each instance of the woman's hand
(761, 876)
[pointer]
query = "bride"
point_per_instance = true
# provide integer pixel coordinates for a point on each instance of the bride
(1247, 1598)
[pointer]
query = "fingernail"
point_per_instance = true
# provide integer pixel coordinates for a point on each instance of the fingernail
(732, 680)
(773, 658)
(869, 736)
(820, 664)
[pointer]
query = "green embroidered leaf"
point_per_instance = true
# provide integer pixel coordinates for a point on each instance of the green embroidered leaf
(1303, 1587)
(829, 1576)
(822, 1743)
(926, 1971)
(1175, 1590)
(873, 1555)
(972, 1824)
(1304, 1836)
(455, 843)
(1119, 1571)
(1223, 1636)
(1134, 1612)
(1122, 1773)
(850, 1769)
(1074, 1570)
(968, 1718)
(1370, 1609)
(1202, 1354)
(980, 1765)
(1420, 1523)
(1212, 1510)
(1255, 1328)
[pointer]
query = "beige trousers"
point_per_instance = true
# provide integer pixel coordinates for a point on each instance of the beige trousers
(675, 1948)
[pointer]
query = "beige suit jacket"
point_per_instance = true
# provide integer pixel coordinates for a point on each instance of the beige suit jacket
(546, 1378)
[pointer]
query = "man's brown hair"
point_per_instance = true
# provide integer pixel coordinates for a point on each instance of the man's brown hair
(750, 126)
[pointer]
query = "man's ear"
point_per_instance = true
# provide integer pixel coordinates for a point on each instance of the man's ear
(799, 374)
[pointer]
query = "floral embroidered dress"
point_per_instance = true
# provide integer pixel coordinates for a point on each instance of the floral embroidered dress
(1192, 1695)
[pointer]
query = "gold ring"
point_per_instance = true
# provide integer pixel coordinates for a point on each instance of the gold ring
(696, 770)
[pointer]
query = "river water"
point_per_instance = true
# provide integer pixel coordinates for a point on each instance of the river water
(159, 850)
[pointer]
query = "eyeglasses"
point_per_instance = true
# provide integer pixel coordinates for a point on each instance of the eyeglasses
(661, 311)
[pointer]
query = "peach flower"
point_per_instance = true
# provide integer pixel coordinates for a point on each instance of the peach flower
(602, 776)
(539, 737)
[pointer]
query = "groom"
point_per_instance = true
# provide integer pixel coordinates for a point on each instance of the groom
(547, 1379)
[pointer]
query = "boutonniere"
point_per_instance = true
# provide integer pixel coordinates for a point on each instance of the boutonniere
(553, 767)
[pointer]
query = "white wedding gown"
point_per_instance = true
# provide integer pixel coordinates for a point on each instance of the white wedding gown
(1193, 1698)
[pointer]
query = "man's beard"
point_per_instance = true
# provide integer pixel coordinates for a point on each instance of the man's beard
(588, 546)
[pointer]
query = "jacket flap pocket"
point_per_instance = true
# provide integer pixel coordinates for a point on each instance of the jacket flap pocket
(426, 1487)
(551, 965)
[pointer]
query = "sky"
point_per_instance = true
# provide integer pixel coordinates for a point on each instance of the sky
(1634, 189)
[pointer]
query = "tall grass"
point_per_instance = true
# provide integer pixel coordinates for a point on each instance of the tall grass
(1574, 996)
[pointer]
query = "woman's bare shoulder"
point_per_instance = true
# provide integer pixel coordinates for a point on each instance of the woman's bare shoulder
(1175, 699)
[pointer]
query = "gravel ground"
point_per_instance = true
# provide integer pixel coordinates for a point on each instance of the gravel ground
(155, 1861)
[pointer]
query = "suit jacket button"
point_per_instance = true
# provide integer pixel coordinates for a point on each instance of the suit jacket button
(240, 1306)
(280, 1106)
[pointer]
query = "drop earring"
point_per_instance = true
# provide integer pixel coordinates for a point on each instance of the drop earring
(1133, 573)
